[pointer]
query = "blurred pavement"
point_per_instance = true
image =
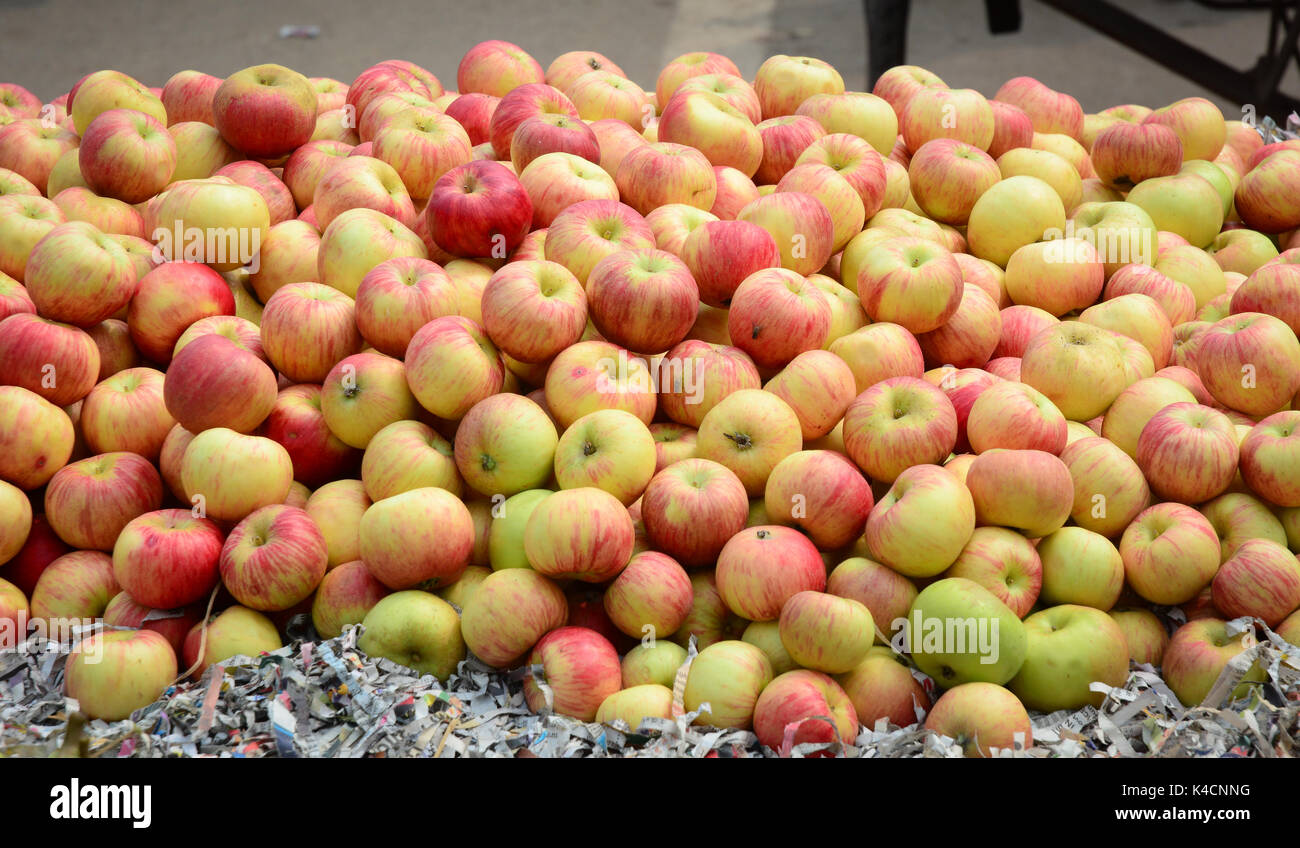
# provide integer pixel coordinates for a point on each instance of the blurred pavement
(46, 45)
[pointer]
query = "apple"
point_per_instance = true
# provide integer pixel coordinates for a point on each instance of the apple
(297, 423)
(804, 707)
(981, 717)
(1080, 567)
(213, 221)
(1055, 358)
(505, 444)
(408, 455)
(476, 367)
(1017, 211)
(673, 443)
(898, 423)
(235, 632)
(959, 632)
(1003, 562)
(584, 534)
(673, 222)
(26, 220)
(1051, 111)
(274, 558)
(36, 438)
(1185, 204)
(1125, 154)
(265, 111)
(594, 375)
(337, 508)
(1170, 553)
(361, 182)
(947, 176)
(419, 538)
(652, 595)
(635, 704)
(866, 116)
(78, 275)
(775, 315)
(552, 133)
(1261, 579)
(735, 192)
(479, 209)
(586, 232)
(89, 502)
(168, 558)
(1249, 362)
(1271, 289)
(1267, 452)
(115, 673)
(879, 351)
(1176, 300)
(692, 508)
(214, 382)
(15, 522)
(1197, 122)
(127, 155)
(821, 493)
(1027, 490)
(729, 677)
(509, 612)
(229, 475)
(718, 129)
(59, 362)
(1259, 199)
(1188, 452)
(31, 148)
(1012, 128)
(894, 534)
(555, 181)
(653, 663)
(170, 298)
(720, 255)
(200, 151)
(1197, 654)
(364, 393)
(1109, 487)
(661, 173)
(1069, 648)
(689, 65)
(1134, 408)
(818, 386)
(608, 449)
(506, 535)
(532, 310)
(393, 75)
(255, 175)
(749, 431)
(785, 139)
(1139, 318)
(416, 629)
(1058, 276)
(73, 589)
(127, 412)
(1015, 416)
(935, 113)
(187, 96)
(761, 567)
(826, 632)
(495, 68)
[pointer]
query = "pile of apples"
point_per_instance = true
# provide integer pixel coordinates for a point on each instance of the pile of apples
(565, 372)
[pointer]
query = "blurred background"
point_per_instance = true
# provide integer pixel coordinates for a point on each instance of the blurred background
(46, 45)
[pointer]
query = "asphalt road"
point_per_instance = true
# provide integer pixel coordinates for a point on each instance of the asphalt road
(47, 45)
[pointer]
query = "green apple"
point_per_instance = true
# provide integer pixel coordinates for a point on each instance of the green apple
(728, 676)
(1070, 647)
(1080, 567)
(653, 661)
(506, 535)
(766, 635)
(1185, 203)
(415, 629)
(958, 632)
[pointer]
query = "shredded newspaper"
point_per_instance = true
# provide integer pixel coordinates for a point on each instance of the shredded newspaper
(327, 699)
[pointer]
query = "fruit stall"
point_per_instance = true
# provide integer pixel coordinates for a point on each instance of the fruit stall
(542, 413)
